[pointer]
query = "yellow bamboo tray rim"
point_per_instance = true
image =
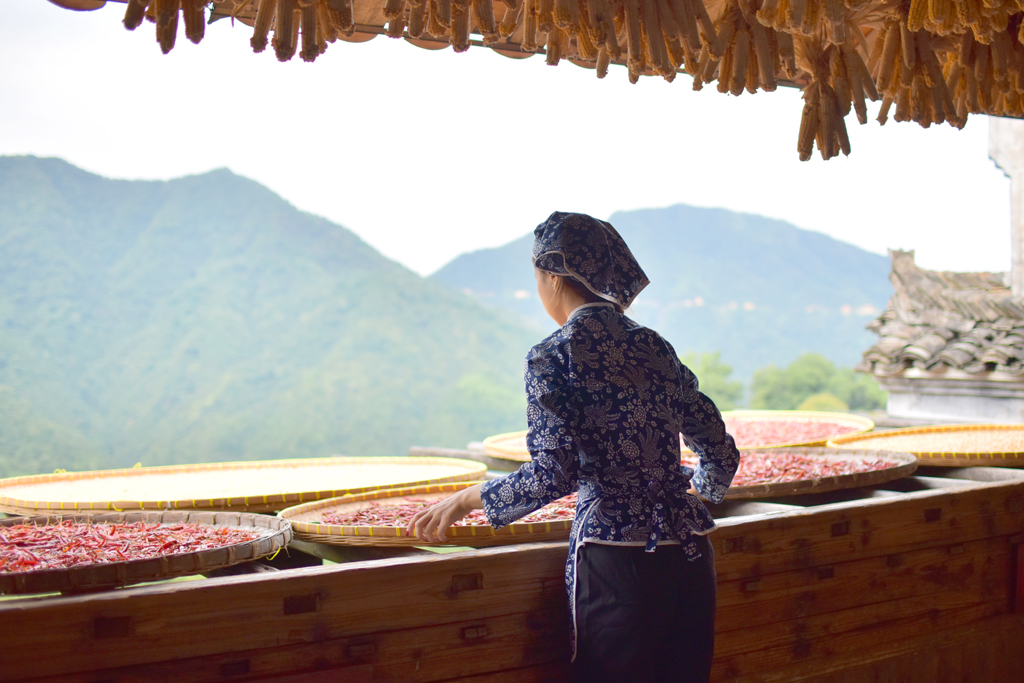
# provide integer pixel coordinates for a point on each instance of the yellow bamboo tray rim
(255, 501)
(302, 518)
(274, 534)
(945, 458)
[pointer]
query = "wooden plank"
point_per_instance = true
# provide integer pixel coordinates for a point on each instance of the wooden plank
(773, 598)
(476, 647)
(751, 547)
(313, 604)
(805, 634)
(876, 641)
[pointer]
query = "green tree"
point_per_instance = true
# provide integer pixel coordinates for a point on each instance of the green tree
(713, 376)
(813, 380)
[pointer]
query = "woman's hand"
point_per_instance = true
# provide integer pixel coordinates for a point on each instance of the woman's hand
(431, 524)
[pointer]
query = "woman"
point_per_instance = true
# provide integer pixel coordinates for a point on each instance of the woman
(606, 402)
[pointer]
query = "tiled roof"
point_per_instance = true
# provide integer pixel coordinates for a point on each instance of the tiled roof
(966, 321)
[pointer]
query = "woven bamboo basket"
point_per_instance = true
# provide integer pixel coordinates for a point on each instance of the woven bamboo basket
(307, 521)
(307, 525)
(274, 534)
(904, 465)
(260, 486)
(965, 445)
(512, 445)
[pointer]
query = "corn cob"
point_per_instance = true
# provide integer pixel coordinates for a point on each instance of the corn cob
(340, 12)
(653, 35)
(546, 16)
(326, 31)
(460, 28)
(396, 27)
(307, 18)
(840, 80)
(166, 33)
(483, 12)
(826, 137)
(556, 46)
(529, 43)
(796, 11)
(193, 12)
(509, 22)
(811, 17)
(725, 70)
(753, 80)
(634, 46)
(854, 76)
(890, 54)
(834, 14)
(165, 11)
(703, 61)
(917, 14)
(767, 59)
(601, 23)
(741, 48)
(768, 12)
(585, 46)
(441, 13)
(685, 23)
(135, 13)
(707, 28)
(563, 14)
(877, 47)
(907, 47)
(883, 111)
(603, 60)
(285, 31)
(809, 122)
(787, 52)
(418, 20)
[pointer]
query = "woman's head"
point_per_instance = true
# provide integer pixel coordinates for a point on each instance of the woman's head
(589, 256)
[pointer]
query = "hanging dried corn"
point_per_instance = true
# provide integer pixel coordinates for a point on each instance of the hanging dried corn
(928, 61)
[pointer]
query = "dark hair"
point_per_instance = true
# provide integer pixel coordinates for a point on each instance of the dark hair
(587, 295)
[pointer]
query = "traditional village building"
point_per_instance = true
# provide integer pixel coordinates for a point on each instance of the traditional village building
(951, 345)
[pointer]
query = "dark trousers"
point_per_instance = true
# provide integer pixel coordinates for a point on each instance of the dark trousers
(644, 617)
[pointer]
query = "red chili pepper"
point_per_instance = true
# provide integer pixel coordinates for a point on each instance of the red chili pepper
(69, 544)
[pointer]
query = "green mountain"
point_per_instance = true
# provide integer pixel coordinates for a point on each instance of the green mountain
(205, 319)
(759, 291)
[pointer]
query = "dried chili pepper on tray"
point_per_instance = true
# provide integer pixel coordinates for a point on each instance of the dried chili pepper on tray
(27, 547)
(384, 514)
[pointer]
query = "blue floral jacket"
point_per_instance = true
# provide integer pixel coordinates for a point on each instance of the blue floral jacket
(606, 402)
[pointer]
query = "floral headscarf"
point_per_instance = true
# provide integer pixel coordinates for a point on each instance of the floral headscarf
(591, 251)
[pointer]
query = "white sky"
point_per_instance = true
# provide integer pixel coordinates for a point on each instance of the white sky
(427, 155)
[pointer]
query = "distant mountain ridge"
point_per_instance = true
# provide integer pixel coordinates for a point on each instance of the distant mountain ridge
(204, 319)
(759, 290)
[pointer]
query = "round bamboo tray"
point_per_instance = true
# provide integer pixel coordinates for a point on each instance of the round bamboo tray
(508, 446)
(965, 445)
(306, 524)
(274, 534)
(905, 464)
(261, 486)
(512, 445)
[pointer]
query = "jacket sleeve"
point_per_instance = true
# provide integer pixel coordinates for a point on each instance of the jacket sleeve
(704, 433)
(552, 408)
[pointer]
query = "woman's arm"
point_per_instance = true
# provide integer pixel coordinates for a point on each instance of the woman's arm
(704, 432)
(432, 524)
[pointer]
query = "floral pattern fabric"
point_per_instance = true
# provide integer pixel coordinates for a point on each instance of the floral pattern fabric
(591, 251)
(606, 402)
